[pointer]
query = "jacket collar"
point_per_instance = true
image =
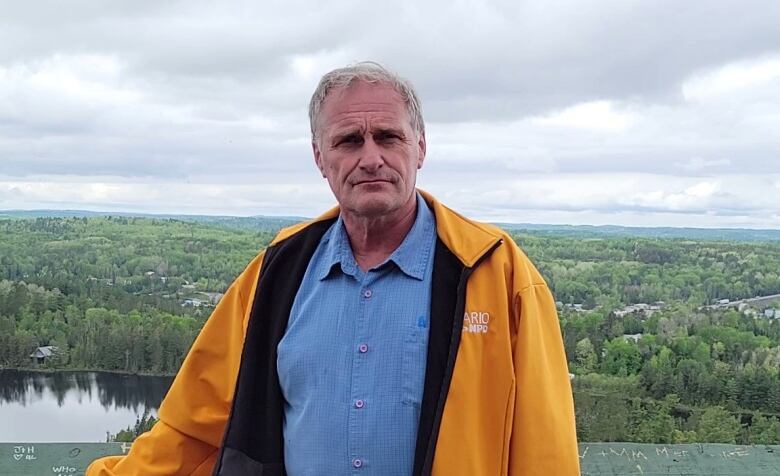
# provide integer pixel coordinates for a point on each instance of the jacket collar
(466, 239)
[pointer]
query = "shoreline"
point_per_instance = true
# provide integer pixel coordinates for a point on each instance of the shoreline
(118, 372)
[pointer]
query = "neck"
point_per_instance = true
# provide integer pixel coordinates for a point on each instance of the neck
(373, 239)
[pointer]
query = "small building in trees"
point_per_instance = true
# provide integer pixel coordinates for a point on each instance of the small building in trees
(191, 303)
(214, 298)
(42, 353)
(641, 309)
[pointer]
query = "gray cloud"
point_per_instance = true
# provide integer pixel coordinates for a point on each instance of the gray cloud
(179, 91)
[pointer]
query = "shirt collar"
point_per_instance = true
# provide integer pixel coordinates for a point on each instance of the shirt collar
(413, 253)
(336, 251)
(411, 256)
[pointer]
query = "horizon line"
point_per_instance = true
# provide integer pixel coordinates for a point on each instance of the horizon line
(304, 218)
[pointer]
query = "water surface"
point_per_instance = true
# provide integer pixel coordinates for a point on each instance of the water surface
(73, 406)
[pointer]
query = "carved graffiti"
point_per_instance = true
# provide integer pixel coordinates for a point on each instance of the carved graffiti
(63, 470)
(24, 453)
(736, 453)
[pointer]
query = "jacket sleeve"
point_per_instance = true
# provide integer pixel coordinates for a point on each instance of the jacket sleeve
(544, 438)
(193, 415)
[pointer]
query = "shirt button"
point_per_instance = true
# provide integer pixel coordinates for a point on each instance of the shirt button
(363, 348)
(367, 293)
(357, 462)
(360, 403)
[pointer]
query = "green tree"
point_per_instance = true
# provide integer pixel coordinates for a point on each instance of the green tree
(586, 359)
(621, 357)
(143, 423)
(764, 431)
(717, 425)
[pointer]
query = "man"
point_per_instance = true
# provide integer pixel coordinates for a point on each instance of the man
(390, 336)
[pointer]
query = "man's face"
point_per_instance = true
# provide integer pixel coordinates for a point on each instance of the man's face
(367, 149)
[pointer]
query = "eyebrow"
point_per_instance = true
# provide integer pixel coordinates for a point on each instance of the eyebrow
(344, 133)
(358, 130)
(389, 130)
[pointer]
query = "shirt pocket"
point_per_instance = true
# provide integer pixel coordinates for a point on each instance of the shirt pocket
(414, 362)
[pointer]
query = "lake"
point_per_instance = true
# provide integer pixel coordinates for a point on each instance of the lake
(73, 406)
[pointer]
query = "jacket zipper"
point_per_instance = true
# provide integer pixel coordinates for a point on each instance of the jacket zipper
(457, 328)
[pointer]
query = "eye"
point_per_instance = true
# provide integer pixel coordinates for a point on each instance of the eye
(351, 139)
(386, 136)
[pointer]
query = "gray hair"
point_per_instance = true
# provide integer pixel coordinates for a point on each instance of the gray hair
(369, 72)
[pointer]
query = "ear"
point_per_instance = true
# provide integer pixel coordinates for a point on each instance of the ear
(315, 148)
(421, 151)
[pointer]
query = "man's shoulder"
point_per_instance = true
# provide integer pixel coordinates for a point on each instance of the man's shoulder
(293, 230)
(508, 254)
(469, 237)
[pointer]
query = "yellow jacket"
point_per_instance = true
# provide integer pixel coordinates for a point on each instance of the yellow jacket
(497, 397)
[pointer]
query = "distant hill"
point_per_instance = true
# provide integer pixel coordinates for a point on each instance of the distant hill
(709, 234)
(254, 223)
(268, 223)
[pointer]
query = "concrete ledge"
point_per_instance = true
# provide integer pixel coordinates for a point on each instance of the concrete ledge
(684, 460)
(53, 459)
(596, 459)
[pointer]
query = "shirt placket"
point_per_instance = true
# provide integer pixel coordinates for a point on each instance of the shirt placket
(360, 405)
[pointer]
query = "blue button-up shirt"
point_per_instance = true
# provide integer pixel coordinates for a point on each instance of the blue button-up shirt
(352, 362)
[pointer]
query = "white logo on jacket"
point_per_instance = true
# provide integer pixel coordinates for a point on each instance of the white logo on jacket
(476, 322)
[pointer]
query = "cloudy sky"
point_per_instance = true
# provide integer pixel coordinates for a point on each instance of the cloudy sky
(649, 113)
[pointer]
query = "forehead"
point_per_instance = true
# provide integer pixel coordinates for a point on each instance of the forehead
(363, 101)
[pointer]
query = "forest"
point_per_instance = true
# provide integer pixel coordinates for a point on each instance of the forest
(661, 346)
(114, 293)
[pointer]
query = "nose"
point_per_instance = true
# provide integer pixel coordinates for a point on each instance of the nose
(371, 158)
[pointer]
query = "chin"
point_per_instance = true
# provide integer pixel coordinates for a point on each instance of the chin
(374, 207)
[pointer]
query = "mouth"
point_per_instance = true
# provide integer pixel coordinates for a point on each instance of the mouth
(371, 182)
